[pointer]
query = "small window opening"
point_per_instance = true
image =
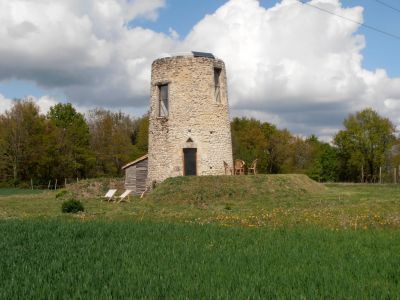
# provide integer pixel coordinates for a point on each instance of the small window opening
(189, 140)
(163, 100)
(217, 75)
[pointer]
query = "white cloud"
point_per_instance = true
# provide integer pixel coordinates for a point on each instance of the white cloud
(5, 104)
(84, 48)
(291, 65)
(44, 103)
(295, 62)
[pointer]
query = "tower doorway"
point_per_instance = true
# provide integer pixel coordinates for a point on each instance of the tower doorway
(189, 161)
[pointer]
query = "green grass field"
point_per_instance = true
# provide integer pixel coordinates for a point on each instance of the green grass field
(15, 191)
(275, 236)
(269, 201)
(66, 259)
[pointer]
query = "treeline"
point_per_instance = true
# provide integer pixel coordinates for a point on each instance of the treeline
(366, 148)
(67, 144)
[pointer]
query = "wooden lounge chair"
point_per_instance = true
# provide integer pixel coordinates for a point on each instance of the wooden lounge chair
(227, 168)
(239, 166)
(253, 167)
(124, 195)
(110, 194)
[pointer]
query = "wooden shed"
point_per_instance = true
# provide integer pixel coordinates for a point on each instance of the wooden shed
(136, 175)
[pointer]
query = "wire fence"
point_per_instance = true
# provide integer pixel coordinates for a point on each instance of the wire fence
(53, 184)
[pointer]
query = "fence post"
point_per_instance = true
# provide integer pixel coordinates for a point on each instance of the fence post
(394, 175)
(65, 183)
(55, 185)
(31, 184)
(48, 187)
(362, 173)
(380, 175)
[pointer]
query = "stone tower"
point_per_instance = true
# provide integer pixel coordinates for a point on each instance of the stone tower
(189, 130)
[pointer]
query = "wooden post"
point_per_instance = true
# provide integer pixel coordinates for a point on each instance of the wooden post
(362, 173)
(48, 187)
(394, 175)
(31, 184)
(380, 174)
(55, 185)
(65, 182)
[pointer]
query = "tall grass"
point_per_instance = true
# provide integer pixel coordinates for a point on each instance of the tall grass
(99, 259)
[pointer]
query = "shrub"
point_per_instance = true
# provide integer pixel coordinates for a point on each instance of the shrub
(61, 193)
(72, 206)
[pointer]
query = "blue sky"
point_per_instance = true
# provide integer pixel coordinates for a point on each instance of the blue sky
(288, 63)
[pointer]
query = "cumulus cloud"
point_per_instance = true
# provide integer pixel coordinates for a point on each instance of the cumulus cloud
(5, 104)
(84, 47)
(291, 65)
(44, 103)
(295, 62)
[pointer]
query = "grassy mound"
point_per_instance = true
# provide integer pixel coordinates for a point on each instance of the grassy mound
(93, 188)
(222, 188)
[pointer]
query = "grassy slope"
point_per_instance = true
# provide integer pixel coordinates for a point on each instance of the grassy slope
(263, 200)
(64, 259)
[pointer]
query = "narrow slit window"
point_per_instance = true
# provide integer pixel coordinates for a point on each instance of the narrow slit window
(163, 100)
(217, 92)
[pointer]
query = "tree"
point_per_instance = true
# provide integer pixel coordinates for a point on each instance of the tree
(363, 143)
(68, 141)
(249, 141)
(325, 163)
(22, 140)
(140, 138)
(278, 148)
(111, 137)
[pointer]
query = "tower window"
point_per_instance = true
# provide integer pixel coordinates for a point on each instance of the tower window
(217, 92)
(163, 100)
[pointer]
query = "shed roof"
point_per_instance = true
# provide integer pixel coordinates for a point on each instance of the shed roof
(135, 161)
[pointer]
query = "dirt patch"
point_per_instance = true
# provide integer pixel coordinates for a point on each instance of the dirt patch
(94, 188)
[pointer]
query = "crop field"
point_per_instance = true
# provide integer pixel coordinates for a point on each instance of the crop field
(281, 236)
(100, 259)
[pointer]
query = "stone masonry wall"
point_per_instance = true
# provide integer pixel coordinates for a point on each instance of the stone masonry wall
(193, 113)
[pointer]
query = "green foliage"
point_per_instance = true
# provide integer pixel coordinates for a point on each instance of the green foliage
(278, 150)
(249, 141)
(63, 144)
(364, 143)
(111, 140)
(68, 138)
(72, 206)
(173, 261)
(141, 137)
(61, 194)
(21, 141)
(325, 165)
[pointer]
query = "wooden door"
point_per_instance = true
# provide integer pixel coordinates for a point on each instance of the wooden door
(189, 161)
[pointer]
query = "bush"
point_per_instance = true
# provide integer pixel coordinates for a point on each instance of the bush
(72, 206)
(61, 193)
